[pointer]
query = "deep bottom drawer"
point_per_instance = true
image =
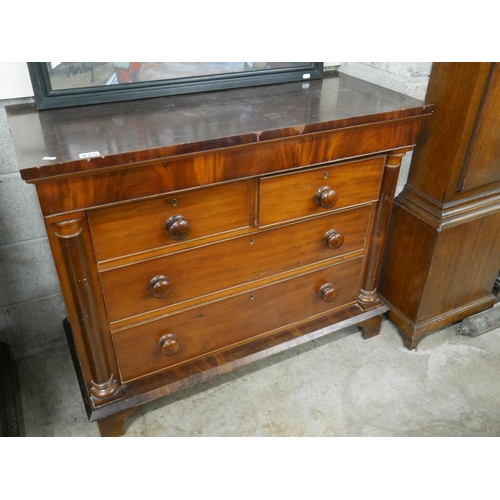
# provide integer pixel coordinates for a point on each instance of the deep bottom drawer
(160, 344)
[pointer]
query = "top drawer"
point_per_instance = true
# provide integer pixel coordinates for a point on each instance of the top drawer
(144, 225)
(297, 195)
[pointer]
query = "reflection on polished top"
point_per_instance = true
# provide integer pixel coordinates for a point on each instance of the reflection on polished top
(77, 139)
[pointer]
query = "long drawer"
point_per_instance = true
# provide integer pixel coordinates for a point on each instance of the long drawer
(319, 190)
(183, 336)
(168, 220)
(161, 282)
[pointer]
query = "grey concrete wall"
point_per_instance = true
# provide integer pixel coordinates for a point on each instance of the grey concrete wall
(410, 78)
(31, 304)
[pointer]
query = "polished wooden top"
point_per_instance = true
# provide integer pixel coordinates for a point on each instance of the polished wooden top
(50, 142)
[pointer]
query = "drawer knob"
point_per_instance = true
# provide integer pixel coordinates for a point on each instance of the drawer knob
(160, 286)
(168, 344)
(328, 292)
(178, 227)
(326, 197)
(333, 239)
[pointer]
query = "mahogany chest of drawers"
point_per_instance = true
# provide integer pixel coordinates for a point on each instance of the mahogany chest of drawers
(195, 234)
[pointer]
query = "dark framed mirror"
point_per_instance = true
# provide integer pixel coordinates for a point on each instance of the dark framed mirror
(64, 84)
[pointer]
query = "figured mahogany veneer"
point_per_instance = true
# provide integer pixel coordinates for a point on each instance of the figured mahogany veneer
(288, 196)
(265, 253)
(168, 220)
(209, 231)
(214, 326)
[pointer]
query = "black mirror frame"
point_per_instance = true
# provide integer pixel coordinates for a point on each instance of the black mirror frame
(46, 98)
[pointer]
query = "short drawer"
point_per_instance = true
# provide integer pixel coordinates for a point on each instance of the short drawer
(144, 225)
(319, 190)
(177, 277)
(160, 344)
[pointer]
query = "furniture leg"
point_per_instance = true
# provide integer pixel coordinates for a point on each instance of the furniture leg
(193, 243)
(409, 342)
(114, 425)
(371, 327)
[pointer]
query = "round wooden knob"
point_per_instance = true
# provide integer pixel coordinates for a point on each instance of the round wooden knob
(333, 239)
(168, 344)
(178, 227)
(328, 292)
(160, 286)
(326, 197)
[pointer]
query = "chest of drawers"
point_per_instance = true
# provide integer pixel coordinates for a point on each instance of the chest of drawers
(208, 231)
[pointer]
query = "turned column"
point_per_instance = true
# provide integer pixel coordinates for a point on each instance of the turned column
(103, 385)
(368, 296)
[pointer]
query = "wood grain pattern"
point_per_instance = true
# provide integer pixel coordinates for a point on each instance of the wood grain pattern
(72, 237)
(134, 181)
(185, 375)
(442, 259)
(212, 327)
(136, 227)
(484, 147)
(152, 129)
(292, 196)
(229, 263)
(444, 139)
(248, 267)
(368, 295)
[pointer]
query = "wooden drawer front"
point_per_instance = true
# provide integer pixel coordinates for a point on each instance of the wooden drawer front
(200, 271)
(220, 324)
(292, 196)
(139, 226)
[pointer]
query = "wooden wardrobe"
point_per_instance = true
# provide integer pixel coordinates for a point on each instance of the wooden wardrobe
(443, 252)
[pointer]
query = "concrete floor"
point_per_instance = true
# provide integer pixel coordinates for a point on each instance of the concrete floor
(340, 385)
